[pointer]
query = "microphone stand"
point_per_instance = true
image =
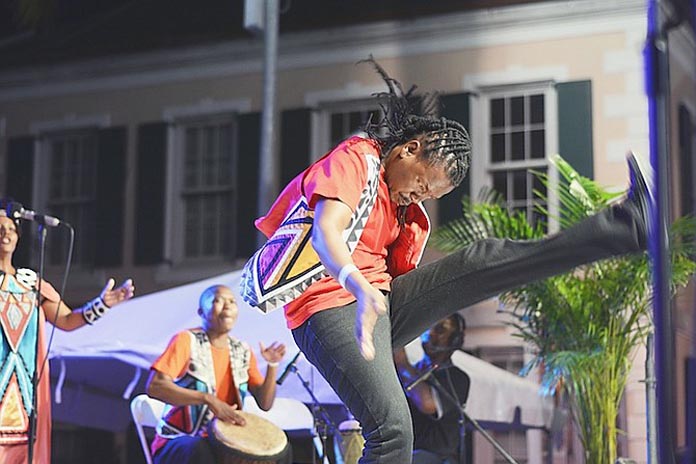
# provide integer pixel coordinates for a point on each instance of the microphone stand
(463, 419)
(323, 425)
(33, 415)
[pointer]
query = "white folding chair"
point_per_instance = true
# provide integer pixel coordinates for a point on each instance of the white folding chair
(288, 414)
(146, 412)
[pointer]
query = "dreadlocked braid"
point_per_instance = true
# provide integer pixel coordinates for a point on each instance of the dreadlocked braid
(408, 115)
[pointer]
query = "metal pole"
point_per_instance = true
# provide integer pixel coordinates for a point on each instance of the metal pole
(651, 407)
(268, 164)
(657, 86)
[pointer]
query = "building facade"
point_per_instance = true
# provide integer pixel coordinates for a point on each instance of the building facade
(153, 156)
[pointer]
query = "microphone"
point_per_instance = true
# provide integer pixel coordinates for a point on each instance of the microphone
(289, 368)
(16, 211)
(422, 377)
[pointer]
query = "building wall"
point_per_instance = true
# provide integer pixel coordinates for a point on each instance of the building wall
(551, 41)
(683, 96)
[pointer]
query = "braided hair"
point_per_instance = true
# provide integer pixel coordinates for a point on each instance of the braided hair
(407, 115)
(4, 211)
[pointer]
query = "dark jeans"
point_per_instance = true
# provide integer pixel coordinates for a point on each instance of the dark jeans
(426, 457)
(420, 298)
(186, 450)
(195, 450)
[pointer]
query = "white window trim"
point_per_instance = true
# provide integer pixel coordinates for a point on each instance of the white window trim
(171, 270)
(353, 95)
(204, 108)
(480, 136)
(178, 267)
(42, 130)
(70, 121)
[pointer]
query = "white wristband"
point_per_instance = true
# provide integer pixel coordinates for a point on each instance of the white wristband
(272, 364)
(345, 272)
(94, 310)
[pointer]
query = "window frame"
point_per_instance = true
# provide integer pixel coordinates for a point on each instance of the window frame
(175, 217)
(482, 171)
(41, 191)
(322, 120)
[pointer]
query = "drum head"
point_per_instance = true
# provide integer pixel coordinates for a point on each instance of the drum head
(350, 425)
(349, 442)
(259, 439)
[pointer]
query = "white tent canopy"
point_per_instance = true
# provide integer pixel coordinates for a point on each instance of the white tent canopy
(496, 395)
(98, 368)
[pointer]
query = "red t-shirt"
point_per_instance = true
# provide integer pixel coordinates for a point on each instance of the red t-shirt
(341, 176)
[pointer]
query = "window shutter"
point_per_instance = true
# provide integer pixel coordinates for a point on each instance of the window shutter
(110, 196)
(248, 148)
(150, 194)
(686, 164)
(449, 207)
(20, 182)
(575, 125)
(295, 143)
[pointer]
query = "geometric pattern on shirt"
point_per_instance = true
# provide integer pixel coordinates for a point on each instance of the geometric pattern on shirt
(287, 264)
(177, 420)
(16, 310)
(201, 355)
(200, 376)
(14, 420)
(19, 331)
(26, 277)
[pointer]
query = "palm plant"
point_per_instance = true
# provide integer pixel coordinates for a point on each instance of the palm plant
(584, 326)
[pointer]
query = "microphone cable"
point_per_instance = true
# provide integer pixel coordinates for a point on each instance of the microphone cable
(66, 272)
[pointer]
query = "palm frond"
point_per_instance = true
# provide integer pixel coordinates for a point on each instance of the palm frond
(583, 325)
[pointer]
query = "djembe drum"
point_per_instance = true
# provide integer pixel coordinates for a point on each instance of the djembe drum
(349, 442)
(259, 441)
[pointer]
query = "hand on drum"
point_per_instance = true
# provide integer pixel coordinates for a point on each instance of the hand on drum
(225, 412)
(273, 353)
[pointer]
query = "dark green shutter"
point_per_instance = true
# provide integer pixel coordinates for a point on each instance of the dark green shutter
(150, 193)
(575, 125)
(294, 143)
(249, 143)
(686, 163)
(110, 197)
(20, 182)
(449, 207)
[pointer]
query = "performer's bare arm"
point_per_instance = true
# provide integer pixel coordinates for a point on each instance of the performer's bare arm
(162, 387)
(421, 395)
(331, 217)
(265, 393)
(66, 319)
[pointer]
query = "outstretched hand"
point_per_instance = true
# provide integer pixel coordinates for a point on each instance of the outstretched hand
(113, 296)
(371, 304)
(273, 353)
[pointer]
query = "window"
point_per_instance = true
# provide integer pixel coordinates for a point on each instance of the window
(71, 193)
(511, 359)
(344, 124)
(207, 188)
(340, 120)
(515, 443)
(518, 140)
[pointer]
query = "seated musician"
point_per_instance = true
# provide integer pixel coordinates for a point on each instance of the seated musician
(435, 417)
(205, 373)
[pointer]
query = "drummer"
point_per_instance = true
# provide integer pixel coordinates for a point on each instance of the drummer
(206, 373)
